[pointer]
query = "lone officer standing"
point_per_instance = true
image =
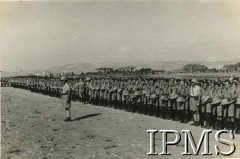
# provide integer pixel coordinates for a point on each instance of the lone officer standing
(66, 97)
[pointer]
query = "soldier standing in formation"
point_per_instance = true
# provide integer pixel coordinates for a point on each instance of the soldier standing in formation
(81, 89)
(194, 100)
(237, 110)
(209, 103)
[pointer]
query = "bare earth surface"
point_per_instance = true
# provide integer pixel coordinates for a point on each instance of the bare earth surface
(32, 127)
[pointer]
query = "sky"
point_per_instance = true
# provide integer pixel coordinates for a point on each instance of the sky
(35, 35)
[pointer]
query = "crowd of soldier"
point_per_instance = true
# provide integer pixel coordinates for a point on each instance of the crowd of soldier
(208, 103)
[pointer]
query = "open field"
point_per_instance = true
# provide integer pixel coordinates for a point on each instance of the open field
(32, 127)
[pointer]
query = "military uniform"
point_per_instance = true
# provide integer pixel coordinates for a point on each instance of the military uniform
(237, 110)
(102, 90)
(80, 87)
(181, 102)
(228, 106)
(194, 102)
(216, 106)
(164, 100)
(206, 108)
(66, 96)
(168, 91)
(173, 102)
(152, 96)
(125, 96)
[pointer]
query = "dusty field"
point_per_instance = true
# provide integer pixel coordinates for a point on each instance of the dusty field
(32, 127)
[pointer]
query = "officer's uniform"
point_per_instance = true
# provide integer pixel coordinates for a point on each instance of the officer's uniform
(66, 96)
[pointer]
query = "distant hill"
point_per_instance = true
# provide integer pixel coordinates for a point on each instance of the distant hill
(173, 65)
(90, 67)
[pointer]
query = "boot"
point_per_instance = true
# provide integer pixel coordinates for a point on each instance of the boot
(155, 111)
(158, 111)
(148, 109)
(237, 126)
(164, 112)
(208, 121)
(224, 123)
(181, 114)
(151, 110)
(173, 115)
(168, 113)
(161, 112)
(141, 108)
(186, 117)
(202, 120)
(125, 105)
(177, 115)
(134, 107)
(214, 120)
(218, 124)
(232, 126)
(190, 115)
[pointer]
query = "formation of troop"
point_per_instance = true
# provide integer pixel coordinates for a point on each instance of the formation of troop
(207, 103)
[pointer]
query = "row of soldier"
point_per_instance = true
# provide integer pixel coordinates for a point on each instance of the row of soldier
(208, 103)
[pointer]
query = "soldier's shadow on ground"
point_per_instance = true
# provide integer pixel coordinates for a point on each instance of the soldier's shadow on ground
(86, 116)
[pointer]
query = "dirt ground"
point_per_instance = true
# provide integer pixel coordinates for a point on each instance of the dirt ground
(32, 127)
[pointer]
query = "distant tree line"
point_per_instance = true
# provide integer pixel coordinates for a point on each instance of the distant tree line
(232, 68)
(189, 68)
(128, 70)
(195, 68)
(198, 68)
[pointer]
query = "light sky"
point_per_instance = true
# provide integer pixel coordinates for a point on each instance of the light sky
(36, 35)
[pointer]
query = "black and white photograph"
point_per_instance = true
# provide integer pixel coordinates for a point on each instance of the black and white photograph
(120, 79)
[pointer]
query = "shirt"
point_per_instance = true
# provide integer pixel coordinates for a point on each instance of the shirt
(66, 89)
(217, 93)
(195, 90)
(237, 94)
(66, 92)
(229, 93)
(80, 86)
(206, 92)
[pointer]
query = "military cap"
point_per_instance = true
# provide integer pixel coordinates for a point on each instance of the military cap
(235, 81)
(166, 79)
(178, 80)
(64, 78)
(194, 80)
(206, 83)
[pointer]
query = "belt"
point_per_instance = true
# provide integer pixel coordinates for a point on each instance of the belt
(194, 96)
